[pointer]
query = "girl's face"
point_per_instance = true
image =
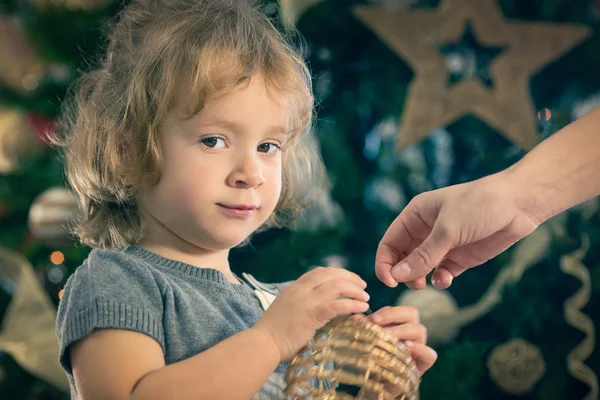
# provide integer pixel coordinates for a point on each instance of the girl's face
(221, 173)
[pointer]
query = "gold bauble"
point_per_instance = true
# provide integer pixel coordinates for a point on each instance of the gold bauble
(435, 307)
(516, 366)
(17, 139)
(43, 5)
(292, 10)
(50, 215)
(20, 68)
(349, 356)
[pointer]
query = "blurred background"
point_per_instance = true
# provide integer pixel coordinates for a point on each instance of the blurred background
(413, 95)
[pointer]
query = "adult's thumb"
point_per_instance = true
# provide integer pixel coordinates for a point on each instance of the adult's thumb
(425, 257)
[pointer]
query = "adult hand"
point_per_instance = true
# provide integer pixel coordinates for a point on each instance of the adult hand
(452, 229)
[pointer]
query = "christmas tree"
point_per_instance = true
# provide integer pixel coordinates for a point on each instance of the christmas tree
(514, 328)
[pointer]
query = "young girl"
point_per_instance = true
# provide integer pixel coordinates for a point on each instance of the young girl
(189, 139)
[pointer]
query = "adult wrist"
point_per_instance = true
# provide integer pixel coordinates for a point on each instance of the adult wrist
(531, 195)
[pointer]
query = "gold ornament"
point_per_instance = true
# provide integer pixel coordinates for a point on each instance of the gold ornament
(571, 264)
(20, 68)
(88, 5)
(431, 104)
(50, 215)
(17, 139)
(516, 366)
(28, 330)
(291, 10)
(358, 355)
(433, 304)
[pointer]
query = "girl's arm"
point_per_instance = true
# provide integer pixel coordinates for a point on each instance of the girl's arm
(113, 364)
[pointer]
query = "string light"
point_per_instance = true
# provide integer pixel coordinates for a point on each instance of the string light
(57, 258)
(544, 114)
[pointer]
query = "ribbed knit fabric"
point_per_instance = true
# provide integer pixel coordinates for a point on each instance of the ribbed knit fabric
(184, 308)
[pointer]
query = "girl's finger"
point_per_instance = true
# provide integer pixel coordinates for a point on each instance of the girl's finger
(358, 316)
(413, 332)
(337, 288)
(395, 315)
(424, 356)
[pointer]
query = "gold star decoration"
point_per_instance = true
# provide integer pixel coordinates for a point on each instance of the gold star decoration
(507, 107)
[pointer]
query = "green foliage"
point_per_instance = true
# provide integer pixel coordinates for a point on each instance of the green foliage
(458, 372)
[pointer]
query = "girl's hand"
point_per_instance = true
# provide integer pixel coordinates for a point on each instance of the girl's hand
(402, 322)
(309, 303)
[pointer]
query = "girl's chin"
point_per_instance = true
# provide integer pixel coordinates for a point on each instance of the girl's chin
(223, 242)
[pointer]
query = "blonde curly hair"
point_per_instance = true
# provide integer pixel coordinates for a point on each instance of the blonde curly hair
(112, 117)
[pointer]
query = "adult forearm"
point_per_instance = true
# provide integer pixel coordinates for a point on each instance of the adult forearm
(235, 368)
(560, 172)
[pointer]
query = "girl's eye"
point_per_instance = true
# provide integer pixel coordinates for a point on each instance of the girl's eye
(269, 148)
(213, 142)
